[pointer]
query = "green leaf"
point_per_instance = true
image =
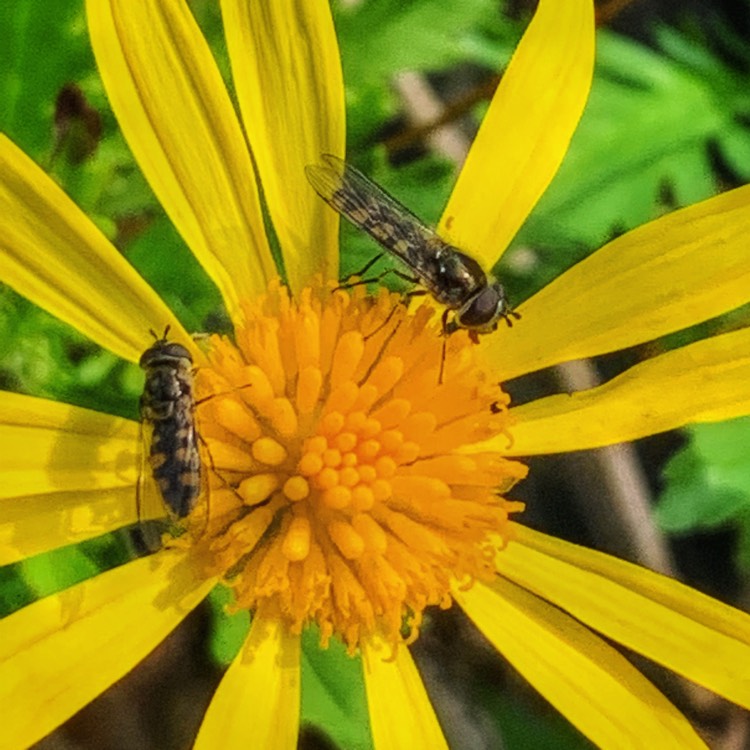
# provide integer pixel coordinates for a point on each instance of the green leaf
(333, 692)
(379, 39)
(15, 593)
(61, 568)
(736, 149)
(637, 133)
(163, 259)
(708, 481)
(30, 80)
(522, 724)
(742, 555)
(644, 145)
(42, 356)
(228, 631)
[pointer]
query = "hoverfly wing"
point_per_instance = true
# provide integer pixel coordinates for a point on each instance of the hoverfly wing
(453, 277)
(149, 504)
(369, 207)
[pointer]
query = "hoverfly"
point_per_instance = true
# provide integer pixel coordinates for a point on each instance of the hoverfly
(167, 409)
(453, 278)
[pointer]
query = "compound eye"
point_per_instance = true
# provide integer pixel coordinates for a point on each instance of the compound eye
(484, 309)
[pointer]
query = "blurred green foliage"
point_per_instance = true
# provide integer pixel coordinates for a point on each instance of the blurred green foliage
(708, 484)
(333, 692)
(666, 125)
(229, 629)
(655, 123)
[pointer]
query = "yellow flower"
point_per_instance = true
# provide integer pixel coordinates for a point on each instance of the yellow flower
(348, 488)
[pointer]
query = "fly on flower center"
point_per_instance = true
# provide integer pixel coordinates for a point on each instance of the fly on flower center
(342, 496)
(177, 466)
(169, 441)
(477, 302)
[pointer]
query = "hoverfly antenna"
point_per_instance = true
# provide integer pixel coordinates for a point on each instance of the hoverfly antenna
(163, 337)
(508, 316)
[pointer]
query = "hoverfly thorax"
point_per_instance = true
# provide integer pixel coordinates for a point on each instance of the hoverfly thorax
(168, 368)
(164, 352)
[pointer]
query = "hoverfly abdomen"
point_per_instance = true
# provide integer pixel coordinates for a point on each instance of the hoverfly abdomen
(167, 407)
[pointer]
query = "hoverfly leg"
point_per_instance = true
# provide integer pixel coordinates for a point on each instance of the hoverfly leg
(379, 277)
(383, 324)
(410, 279)
(445, 333)
(405, 297)
(212, 467)
(364, 282)
(234, 390)
(212, 470)
(358, 274)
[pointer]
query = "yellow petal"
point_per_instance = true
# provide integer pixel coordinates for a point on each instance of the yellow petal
(704, 382)
(32, 524)
(589, 682)
(287, 69)
(51, 253)
(177, 117)
(690, 633)
(401, 714)
(526, 130)
(59, 653)
(681, 269)
(55, 446)
(257, 702)
(67, 474)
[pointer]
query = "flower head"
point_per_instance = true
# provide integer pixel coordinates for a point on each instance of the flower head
(348, 483)
(340, 495)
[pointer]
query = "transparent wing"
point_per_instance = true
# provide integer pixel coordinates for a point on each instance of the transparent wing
(149, 500)
(151, 510)
(369, 207)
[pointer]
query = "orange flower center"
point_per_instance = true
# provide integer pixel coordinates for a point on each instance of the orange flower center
(339, 490)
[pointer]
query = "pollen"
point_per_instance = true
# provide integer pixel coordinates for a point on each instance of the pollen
(335, 430)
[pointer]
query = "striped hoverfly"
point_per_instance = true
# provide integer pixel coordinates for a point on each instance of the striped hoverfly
(167, 412)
